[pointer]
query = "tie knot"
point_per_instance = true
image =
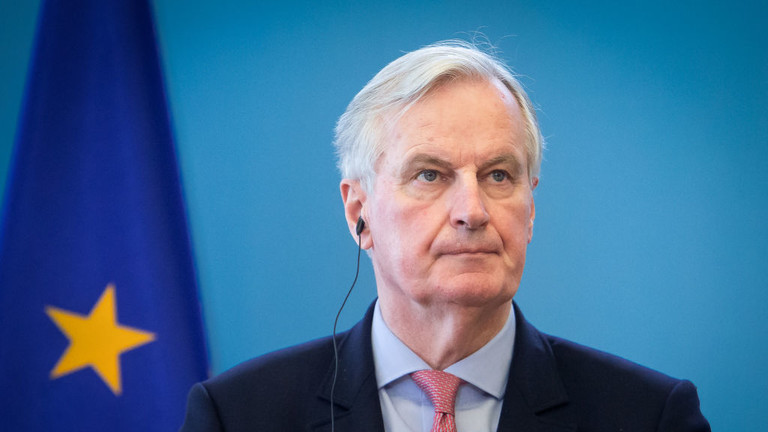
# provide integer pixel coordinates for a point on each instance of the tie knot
(440, 387)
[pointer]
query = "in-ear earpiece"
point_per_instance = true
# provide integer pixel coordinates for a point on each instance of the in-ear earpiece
(360, 225)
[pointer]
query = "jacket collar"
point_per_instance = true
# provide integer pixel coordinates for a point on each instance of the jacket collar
(534, 385)
(356, 395)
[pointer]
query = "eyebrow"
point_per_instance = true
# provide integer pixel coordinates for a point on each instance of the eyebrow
(508, 159)
(422, 160)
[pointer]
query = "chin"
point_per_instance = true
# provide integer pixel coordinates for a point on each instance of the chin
(477, 290)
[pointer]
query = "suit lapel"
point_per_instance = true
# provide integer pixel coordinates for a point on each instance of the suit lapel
(533, 387)
(356, 396)
(534, 384)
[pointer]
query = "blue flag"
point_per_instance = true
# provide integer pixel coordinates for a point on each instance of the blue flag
(100, 326)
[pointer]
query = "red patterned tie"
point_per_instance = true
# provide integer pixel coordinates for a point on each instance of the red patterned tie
(441, 388)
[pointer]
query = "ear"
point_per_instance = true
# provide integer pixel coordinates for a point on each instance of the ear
(354, 198)
(534, 183)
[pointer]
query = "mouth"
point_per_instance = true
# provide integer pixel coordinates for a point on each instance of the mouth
(467, 248)
(470, 252)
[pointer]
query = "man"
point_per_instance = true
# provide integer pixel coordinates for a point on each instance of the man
(439, 156)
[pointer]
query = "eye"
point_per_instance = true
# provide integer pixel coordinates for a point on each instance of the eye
(428, 175)
(499, 176)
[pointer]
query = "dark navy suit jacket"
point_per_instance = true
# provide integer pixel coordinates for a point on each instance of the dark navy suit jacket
(554, 385)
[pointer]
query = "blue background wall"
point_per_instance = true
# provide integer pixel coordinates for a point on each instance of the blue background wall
(651, 235)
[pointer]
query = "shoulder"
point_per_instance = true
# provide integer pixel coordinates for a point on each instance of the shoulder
(264, 393)
(287, 389)
(578, 367)
(575, 384)
(301, 365)
(577, 363)
(626, 392)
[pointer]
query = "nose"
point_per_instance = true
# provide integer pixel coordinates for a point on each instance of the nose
(468, 206)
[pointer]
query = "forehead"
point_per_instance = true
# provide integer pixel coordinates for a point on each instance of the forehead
(459, 120)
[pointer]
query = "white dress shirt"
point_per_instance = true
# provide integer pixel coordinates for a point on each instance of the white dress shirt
(406, 408)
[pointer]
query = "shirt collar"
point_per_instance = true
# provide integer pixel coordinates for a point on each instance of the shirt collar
(486, 369)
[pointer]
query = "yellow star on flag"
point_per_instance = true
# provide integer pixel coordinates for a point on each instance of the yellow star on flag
(96, 340)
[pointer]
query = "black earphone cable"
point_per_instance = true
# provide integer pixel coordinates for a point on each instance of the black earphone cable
(336, 321)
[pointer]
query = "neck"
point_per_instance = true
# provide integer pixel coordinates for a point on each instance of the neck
(443, 334)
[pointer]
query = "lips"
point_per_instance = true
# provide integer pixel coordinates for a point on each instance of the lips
(459, 249)
(469, 254)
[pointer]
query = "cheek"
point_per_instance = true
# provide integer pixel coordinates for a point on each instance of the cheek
(404, 233)
(516, 228)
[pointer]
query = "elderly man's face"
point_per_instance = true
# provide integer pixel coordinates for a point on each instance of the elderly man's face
(451, 212)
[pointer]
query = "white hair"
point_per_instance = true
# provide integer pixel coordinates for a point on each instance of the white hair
(360, 131)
